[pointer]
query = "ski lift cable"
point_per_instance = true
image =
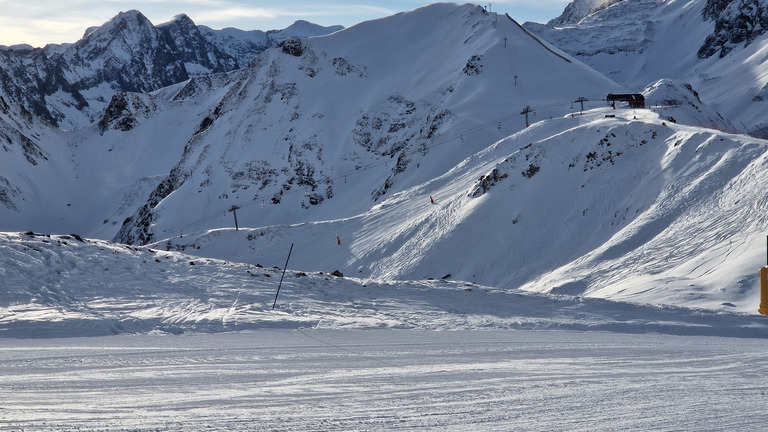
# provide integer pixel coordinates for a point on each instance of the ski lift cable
(457, 136)
(444, 140)
(514, 74)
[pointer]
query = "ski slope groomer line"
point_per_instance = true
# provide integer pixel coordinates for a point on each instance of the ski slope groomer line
(329, 380)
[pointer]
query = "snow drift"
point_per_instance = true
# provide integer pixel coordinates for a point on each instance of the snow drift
(65, 285)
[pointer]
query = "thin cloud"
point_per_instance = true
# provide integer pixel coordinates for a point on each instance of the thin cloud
(222, 15)
(226, 15)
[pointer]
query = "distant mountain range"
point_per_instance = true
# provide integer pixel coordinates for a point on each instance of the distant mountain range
(69, 85)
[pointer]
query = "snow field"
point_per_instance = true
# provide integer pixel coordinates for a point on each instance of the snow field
(383, 380)
(590, 272)
(582, 205)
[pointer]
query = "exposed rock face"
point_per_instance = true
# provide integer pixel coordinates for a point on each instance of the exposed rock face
(578, 10)
(28, 76)
(736, 22)
(125, 110)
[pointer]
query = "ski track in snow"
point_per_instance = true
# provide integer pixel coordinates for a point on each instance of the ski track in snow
(315, 380)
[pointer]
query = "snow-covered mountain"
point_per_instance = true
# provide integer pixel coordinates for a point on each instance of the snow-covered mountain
(28, 167)
(577, 10)
(323, 128)
(70, 85)
(627, 207)
(398, 150)
(716, 46)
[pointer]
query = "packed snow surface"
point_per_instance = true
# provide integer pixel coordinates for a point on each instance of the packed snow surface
(329, 380)
(185, 343)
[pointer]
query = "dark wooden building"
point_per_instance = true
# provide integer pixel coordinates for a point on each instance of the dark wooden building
(636, 100)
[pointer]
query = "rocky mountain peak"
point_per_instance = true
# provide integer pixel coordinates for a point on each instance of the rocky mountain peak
(127, 23)
(70, 85)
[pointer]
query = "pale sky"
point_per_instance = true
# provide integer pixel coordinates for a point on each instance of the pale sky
(39, 22)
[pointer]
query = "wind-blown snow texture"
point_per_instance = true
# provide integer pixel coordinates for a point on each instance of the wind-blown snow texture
(64, 285)
(321, 380)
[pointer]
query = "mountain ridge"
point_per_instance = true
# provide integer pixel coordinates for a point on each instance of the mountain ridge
(70, 84)
(387, 125)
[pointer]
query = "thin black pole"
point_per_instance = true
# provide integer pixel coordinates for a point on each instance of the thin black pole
(281, 277)
(233, 209)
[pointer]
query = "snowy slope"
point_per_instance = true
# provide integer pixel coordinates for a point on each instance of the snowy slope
(323, 128)
(450, 268)
(302, 29)
(635, 42)
(577, 10)
(639, 42)
(631, 207)
(71, 84)
(65, 286)
(396, 150)
(88, 185)
(36, 178)
(244, 45)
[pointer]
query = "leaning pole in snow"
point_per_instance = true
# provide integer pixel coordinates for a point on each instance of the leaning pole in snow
(764, 287)
(281, 277)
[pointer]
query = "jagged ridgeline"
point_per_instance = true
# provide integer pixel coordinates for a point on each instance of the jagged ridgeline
(70, 84)
(712, 46)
